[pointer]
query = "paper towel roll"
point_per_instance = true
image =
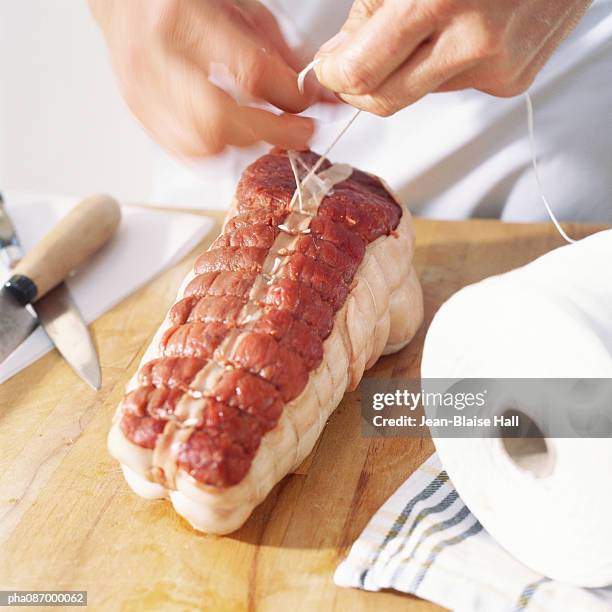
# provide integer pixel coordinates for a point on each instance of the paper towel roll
(548, 502)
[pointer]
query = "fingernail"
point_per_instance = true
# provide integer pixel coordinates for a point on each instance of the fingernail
(334, 42)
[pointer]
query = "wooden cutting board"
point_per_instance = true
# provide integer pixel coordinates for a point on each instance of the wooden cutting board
(69, 521)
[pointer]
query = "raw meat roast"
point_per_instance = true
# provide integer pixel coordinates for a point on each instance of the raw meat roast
(302, 291)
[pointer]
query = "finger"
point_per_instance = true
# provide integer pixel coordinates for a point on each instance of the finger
(361, 10)
(371, 53)
(251, 125)
(227, 38)
(198, 119)
(209, 132)
(263, 74)
(267, 25)
(274, 81)
(432, 64)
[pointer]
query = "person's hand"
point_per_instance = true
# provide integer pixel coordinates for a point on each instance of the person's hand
(390, 53)
(178, 60)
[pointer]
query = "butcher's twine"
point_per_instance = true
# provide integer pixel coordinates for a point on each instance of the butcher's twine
(293, 155)
(534, 161)
(532, 146)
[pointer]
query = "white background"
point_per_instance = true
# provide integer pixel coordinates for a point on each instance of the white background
(63, 125)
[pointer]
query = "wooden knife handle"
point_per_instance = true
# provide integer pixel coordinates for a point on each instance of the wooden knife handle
(75, 238)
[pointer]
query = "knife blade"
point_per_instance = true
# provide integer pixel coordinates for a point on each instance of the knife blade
(57, 313)
(90, 224)
(16, 323)
(64, 324)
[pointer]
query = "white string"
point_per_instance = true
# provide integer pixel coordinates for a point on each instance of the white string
(302, 76)
(300, 83)
(303, 164)
(530, 129)
(534, 160)
(332, 145)
(292, 156)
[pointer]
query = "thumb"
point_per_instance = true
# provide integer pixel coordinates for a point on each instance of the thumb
(330, 73)
(360, 13)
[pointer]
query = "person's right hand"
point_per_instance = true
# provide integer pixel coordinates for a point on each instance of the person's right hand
(164, 51)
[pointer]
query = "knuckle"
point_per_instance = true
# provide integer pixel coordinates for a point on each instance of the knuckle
(487, 44)
(439, 14)
(354, 77)
(486, 39)
(211, 131)
(440, 11)
(383, 106)
(168, 22)
(364, 9)
(210, 139)
(250, 78)
(508, 88)
(164, 19)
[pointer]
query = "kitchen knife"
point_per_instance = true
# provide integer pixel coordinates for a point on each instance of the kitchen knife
(76, 237)
(57, 312)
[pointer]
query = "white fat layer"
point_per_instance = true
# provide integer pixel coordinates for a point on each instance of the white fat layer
(189, 410)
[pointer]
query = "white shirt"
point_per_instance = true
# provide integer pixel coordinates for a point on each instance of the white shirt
(458, 154)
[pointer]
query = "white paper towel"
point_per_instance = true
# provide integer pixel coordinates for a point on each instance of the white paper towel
(147, 242)
(549, 319)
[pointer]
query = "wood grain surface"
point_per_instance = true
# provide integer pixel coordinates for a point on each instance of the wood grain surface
(69, 521)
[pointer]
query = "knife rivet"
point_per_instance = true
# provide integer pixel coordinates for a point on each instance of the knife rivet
(22, 288)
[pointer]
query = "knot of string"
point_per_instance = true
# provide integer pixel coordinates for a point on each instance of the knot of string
(293, 155)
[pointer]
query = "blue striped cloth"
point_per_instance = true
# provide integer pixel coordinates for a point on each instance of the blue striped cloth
(425, 541)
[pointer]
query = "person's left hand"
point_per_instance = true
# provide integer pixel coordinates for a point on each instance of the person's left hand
(195, 72)
(390, 53)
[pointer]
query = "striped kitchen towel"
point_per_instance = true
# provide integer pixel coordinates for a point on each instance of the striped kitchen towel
(425, 541)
